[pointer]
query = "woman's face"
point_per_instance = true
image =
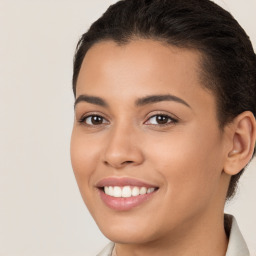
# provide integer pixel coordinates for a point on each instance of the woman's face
(146, 131)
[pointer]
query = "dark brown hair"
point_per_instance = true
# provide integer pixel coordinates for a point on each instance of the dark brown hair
(229, 62)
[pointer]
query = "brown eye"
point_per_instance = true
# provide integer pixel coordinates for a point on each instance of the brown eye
(161, 120)
(94, 120)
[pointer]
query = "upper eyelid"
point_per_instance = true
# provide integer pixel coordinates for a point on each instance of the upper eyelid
(161, 113)
(93, 113)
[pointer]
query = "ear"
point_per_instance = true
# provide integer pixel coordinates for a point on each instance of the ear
(242, 135)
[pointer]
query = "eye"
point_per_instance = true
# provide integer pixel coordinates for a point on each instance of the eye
(93, 120)
(161, 120)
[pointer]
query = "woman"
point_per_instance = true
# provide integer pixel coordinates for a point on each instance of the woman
(164, 126)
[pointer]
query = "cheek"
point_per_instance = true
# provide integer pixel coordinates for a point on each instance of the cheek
(84, 156)
(190, 163)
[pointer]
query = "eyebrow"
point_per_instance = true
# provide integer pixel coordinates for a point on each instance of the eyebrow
(91, 99)
(139, 102)
(158, 98)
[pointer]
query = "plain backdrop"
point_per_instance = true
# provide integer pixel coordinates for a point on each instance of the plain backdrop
(41, 210)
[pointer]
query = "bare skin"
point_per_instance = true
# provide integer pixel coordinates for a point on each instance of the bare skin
(185, 155)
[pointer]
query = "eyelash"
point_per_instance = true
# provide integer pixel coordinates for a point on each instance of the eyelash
(171, 120)
(83, 119)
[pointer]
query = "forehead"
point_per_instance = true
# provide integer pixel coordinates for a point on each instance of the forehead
(142, 67)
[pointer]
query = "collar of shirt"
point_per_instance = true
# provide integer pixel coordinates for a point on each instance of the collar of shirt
(236, 245)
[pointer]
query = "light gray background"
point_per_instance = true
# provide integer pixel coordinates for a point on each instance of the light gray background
(41, 211)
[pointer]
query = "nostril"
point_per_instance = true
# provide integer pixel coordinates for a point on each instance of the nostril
(127, 162)
(118, 165)
(106, 163)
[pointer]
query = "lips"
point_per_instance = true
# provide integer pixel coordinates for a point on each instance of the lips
(123, 194)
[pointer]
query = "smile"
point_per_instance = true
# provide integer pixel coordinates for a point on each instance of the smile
(123, 194)
(127, 191)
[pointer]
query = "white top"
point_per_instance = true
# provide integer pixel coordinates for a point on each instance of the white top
(236, 245)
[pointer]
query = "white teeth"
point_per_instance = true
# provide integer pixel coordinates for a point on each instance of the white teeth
(150, 190)
(117, 192)
(143, 191)
(127, 191)
(106, 190)
(111, 191)
(135, 191)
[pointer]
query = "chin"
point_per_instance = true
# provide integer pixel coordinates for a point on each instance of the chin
(127, 237)
(128, 232)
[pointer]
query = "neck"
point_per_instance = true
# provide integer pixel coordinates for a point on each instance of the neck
(203, 238)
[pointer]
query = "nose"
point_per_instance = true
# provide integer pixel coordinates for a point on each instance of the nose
(123, 148)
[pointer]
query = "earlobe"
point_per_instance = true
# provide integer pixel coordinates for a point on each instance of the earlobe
(243, 142)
